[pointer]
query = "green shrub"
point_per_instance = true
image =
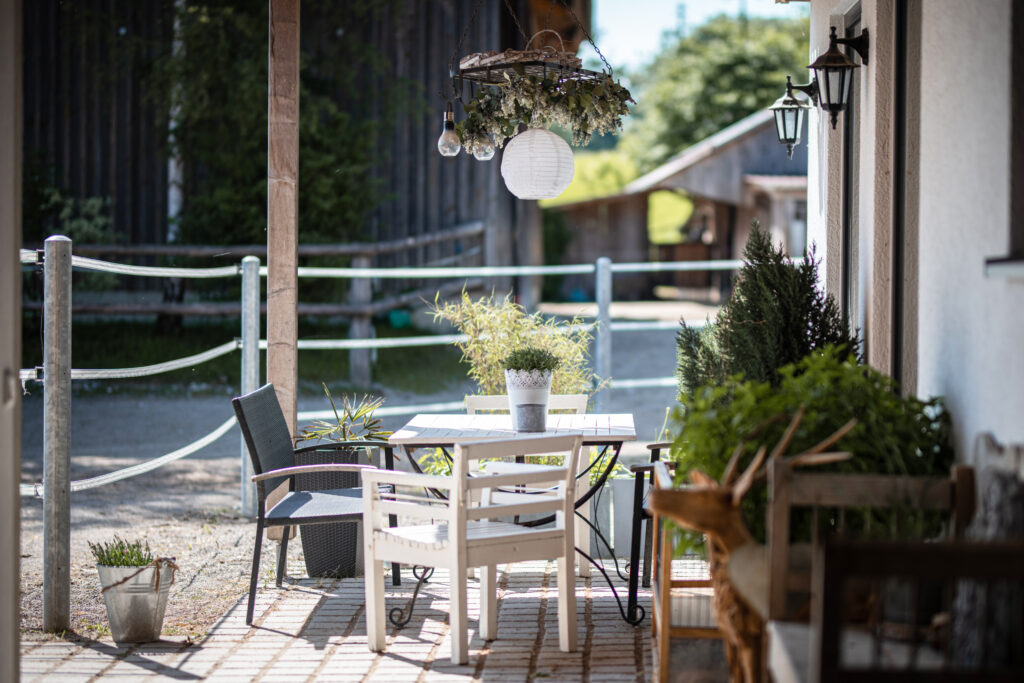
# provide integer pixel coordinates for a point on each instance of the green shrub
(530, 358)
(893, 434)
(775, 317)
(494, 329)
(122, 553)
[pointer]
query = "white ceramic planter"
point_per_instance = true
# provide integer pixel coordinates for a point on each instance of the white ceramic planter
(528, 392)
(136, 607)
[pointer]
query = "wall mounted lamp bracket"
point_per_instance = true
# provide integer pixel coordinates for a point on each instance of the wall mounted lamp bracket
(858, 44)
(809, 89)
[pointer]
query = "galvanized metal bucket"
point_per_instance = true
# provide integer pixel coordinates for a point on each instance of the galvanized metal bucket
(135, 607)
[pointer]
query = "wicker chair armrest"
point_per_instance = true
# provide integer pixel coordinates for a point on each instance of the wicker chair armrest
(341, 446)
(659, 446)
(309, 469)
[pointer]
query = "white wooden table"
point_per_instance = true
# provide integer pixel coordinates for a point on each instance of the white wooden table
(445, 430)
(428, 430)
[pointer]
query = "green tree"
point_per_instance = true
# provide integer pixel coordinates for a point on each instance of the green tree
(725, 70)
(215, 81)
(775, 317)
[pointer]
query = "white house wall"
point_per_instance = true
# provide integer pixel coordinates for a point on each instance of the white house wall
(969, 332)
(971, 328)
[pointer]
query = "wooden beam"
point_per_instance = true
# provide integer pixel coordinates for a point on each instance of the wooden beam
(10, 333)
(283, 205)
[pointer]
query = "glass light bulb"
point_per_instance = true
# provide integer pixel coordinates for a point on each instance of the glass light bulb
(485, 150)
(448, 144)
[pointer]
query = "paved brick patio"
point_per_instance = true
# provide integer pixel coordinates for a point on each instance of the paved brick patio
(315, 630)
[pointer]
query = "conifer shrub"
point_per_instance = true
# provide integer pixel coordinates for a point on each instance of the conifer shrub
(775, 316)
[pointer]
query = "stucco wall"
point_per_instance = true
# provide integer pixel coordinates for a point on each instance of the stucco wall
(969, 340)
(971, 328)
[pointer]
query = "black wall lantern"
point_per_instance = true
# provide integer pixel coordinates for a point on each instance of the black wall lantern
(789, 113)
(834, 71)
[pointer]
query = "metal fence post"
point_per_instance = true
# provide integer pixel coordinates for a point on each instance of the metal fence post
(360, 293)
(56, 433)
(603, 336)
(250, 365)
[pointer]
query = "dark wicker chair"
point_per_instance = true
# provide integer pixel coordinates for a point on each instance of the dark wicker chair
(274, 462)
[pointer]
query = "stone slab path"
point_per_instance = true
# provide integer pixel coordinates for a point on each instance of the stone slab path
(315, 630)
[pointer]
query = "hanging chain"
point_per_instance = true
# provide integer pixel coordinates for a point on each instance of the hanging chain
(515, 18)
(568, 6)
(455, 55)
(547, 22)
(465, 33)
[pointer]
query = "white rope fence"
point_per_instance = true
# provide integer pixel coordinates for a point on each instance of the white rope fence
(156, 369)
(35, 374)
(150, 465)
(84, 263)
(136, 470)
(28, 256)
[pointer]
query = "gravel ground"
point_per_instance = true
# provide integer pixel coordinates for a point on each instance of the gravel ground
(189, 509)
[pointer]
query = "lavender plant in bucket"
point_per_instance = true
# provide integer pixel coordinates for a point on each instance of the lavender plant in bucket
(528, 383)
(135, 587)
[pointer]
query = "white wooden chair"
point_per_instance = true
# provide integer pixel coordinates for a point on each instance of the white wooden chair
(570, 403)
(573, 403)
(456, 535)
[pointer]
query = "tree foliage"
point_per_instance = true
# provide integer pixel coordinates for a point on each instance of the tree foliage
(775, 317)
(212, 85)
(725, 70)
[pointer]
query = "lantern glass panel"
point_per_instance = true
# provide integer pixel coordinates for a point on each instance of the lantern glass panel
(835, 87)
(790, 121)
(780, 124)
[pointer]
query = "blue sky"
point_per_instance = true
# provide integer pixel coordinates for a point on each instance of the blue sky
(629, 31)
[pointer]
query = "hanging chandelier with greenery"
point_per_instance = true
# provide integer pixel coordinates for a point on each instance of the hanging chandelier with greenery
(535, 88)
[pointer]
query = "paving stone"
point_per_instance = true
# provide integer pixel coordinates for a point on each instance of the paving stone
(310, 630)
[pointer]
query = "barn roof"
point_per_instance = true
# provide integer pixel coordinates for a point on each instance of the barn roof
(717, 166)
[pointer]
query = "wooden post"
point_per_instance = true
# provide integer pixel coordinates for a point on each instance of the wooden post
(10, 334)
(57, 434)
(283, 214)
(360, 294)
(283, 206)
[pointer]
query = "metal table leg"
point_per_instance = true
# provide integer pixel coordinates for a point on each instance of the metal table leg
(396, 568)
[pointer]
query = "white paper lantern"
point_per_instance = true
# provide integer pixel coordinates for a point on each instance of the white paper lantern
(537, 164)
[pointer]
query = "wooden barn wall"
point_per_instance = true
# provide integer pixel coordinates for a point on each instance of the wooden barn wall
(430, 192)
(84, 116)
(102, 139)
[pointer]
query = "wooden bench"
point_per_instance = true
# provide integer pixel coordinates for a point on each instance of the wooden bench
(776, 579)
(833, 648)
